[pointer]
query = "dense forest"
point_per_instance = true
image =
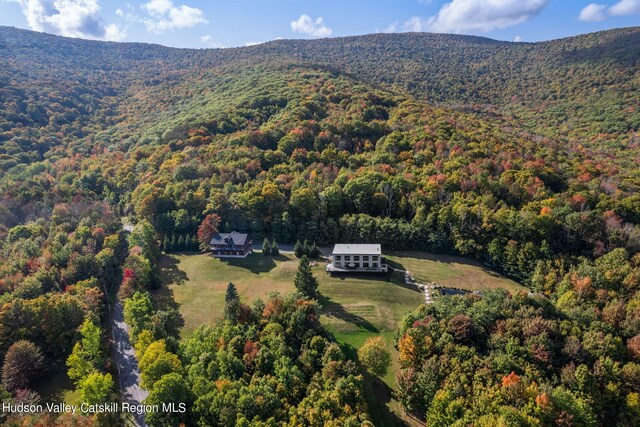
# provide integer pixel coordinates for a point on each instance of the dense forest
(524, 156)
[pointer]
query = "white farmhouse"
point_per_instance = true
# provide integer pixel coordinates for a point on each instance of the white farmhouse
(357, 258)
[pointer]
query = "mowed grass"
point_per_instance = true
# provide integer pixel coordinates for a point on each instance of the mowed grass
(352, 304)
(354, 307)
(452, 271)
(197, 283)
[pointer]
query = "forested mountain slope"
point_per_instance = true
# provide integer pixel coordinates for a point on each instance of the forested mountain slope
(384, 138)
(584, 87)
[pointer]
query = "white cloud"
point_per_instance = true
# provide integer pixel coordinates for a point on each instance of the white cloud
(462, 16)
(158, 7)
(392, 28)
(417, 24)
(72, 18)
(517, 39)
(211, 42)
(599, 12)
(625, 7)
(164, 16)
(306, 25)
(593, 13)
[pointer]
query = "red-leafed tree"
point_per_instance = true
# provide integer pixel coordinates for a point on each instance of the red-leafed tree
(208, 227)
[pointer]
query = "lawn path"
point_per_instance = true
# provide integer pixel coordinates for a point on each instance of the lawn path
(128, 372)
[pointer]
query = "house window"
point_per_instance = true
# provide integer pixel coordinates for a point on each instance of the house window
(365, 257)
(347, 258)
(337, 257)
(365, 264)
(374, 258)
(356, 257)
(337, 264)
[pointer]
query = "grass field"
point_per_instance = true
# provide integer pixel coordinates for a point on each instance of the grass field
(448, 270)
(355, 307)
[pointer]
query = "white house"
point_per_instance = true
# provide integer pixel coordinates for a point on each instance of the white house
(357, 258)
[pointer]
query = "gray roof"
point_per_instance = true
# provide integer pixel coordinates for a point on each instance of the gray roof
(234, 238)
(357, 249)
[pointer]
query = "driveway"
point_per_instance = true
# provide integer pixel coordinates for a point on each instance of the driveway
(128, 372)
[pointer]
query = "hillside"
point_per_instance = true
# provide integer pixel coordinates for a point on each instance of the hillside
(583, 87)
(521, 156)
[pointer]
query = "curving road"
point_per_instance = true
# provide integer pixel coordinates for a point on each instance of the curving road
(128, 372)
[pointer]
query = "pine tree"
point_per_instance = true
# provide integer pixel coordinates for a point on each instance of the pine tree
(314, 250)
(306, 248)
(174, 242)
(304, 281)
(180, 243)
(275, 250)
(266, 247)
(165, 244)
(297, 249)
(231, 303)
(193, 242)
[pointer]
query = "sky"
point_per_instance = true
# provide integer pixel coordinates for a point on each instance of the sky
(230, 23)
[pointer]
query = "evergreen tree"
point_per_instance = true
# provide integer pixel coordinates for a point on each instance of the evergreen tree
(165, 244)
(174, 242)
(275, 250)
(181, 244)
(314, 251)
(266, 247)
(304, 281)
(193, 244)
(231, 303)
(297, 249)
(306, 248)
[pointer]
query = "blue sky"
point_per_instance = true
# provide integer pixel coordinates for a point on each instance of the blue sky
(222, 23)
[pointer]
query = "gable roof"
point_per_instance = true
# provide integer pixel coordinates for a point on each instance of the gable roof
(234, 238)
(357, 249)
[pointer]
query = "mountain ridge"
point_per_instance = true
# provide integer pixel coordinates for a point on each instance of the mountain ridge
(57, 90)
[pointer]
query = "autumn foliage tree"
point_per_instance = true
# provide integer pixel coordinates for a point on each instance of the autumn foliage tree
(23, 364)
(374, 356)
(207, 229)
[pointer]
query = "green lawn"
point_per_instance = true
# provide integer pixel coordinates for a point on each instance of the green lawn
(355, 307)
(448, 270)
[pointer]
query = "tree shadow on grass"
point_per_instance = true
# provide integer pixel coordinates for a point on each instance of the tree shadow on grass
(53, 385)
(256, 263)
(378, 395)
(170, 272)
(163, 296)
(333, 309)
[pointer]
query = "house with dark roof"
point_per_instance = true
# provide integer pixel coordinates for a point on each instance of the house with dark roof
(230, 245)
